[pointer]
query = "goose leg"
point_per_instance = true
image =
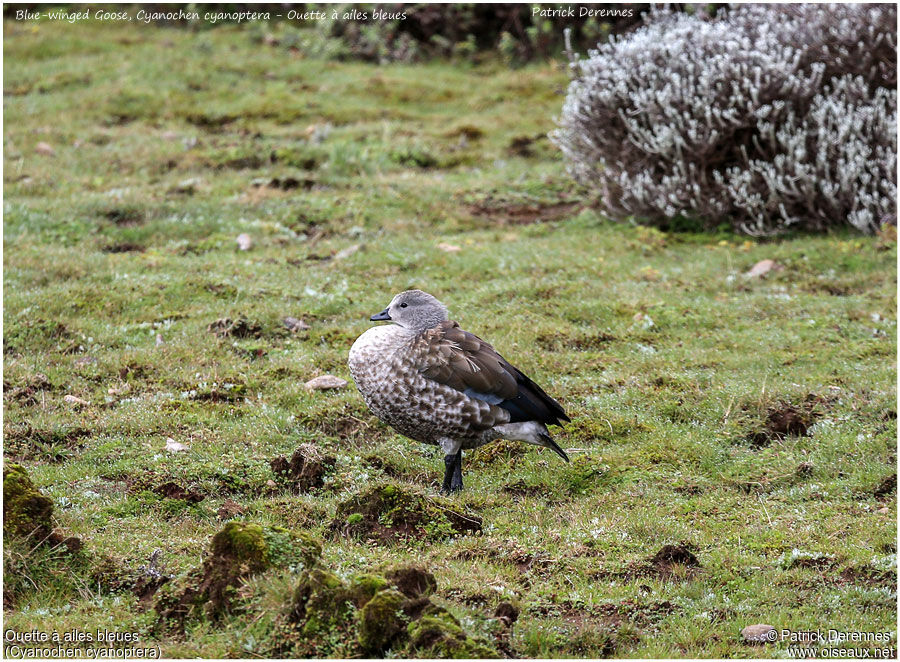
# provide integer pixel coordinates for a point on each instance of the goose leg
(456, 484)
(452, 473)
(452, 464)
(449, 468)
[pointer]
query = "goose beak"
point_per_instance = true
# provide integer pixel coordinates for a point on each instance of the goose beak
(383, 316)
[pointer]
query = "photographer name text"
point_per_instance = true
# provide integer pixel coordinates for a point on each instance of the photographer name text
(582, 12)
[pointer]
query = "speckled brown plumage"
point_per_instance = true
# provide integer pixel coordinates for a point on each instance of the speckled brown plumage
(438, 384)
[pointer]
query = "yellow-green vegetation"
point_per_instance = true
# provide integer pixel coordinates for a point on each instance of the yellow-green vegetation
(238, 551)
(26, 512)
(733, 438)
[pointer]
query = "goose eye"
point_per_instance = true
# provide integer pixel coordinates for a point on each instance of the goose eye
(404, 305)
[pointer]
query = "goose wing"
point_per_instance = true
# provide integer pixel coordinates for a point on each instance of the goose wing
(465, 362)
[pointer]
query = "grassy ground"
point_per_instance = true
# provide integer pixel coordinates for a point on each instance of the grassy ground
(120, 251)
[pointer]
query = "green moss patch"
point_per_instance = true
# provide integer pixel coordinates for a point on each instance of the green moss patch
(383, 614)
(239, 551)
(26, 512)
(388, 512)
(381, 621)
(439, 635)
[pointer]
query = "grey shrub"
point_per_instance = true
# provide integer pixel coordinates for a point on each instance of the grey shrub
(767, 118)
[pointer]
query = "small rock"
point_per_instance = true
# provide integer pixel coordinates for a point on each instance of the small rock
(883, 511)
(74, 400)
(294, 325)
(159, 340)
(45, 149)
(317, 133)
(186, 187)
(763, 267)
(169, 135)
(230, 509)
(759, 634)
(449, 248)
(271, 483)
(347, 252)
(325, 382)
(645, 320)
(173, 446)
(244, 242)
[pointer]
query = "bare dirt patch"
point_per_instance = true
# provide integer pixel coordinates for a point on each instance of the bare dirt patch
(172, 490)
(305, 471)
(785, 419)
(124, 247)
(239, 328)
(671, 562)
(503, 213)
(125, 216)
(887, 486)
(520, 488)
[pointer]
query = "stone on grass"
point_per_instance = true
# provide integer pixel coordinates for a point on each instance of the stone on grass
(173, 446)
(324, 383)
(75, 401)
(294, 325)
(763, 267)
(759, 634)
(187, 186)
(347, 252)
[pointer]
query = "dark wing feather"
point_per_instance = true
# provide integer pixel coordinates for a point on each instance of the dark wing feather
(466, 363)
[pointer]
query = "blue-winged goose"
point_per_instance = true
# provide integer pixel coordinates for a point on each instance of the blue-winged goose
(438, 384)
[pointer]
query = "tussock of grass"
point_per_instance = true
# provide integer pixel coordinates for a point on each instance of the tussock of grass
(120, 254)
